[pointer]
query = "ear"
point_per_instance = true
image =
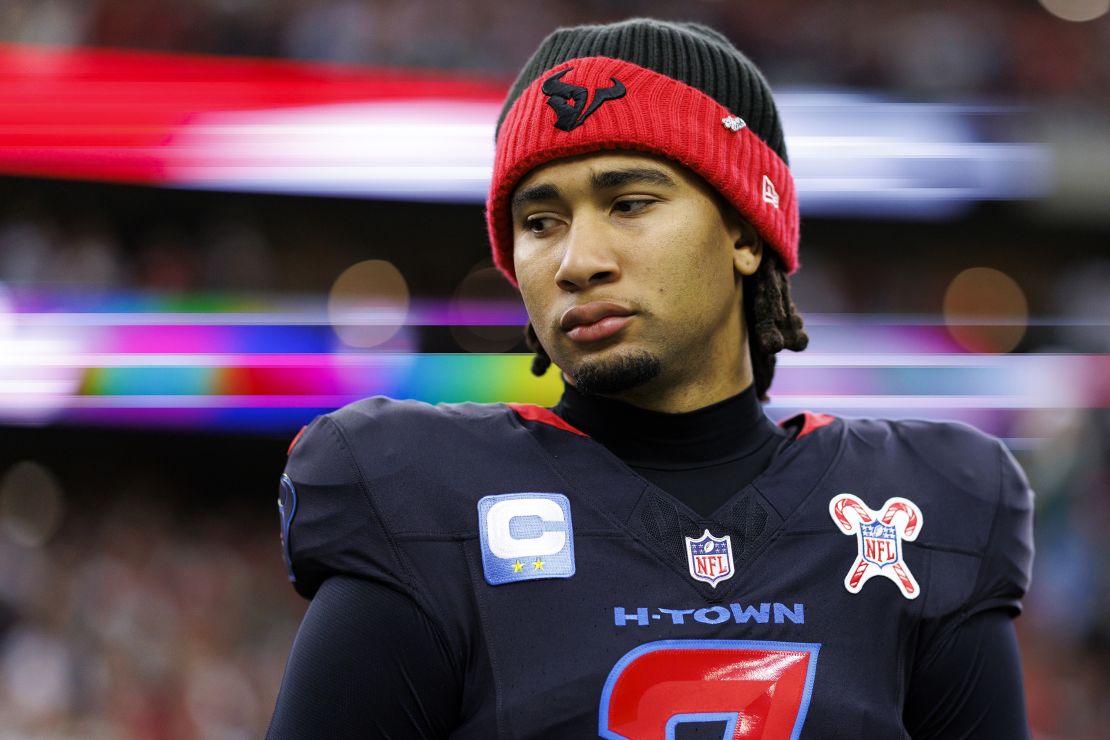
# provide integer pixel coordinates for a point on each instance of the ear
(747, 250)
(747, 244)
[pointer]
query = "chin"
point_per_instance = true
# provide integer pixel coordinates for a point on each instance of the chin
(620, 372)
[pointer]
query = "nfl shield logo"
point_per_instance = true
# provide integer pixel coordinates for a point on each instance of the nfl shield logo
(879, 543)
(709, 558)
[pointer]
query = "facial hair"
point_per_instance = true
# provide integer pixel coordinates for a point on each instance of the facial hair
(621, 373)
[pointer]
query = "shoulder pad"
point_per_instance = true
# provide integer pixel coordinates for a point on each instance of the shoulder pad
(329, 524)
(975, 502)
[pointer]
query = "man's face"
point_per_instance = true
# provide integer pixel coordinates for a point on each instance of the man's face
(631, 274)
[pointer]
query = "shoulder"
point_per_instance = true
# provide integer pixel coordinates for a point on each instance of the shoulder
(374, 431)
(403, 418)
(966, 458)
(944, 437)
(385, 409)
(412, 459)
(974, 499)
(362, 476)
(952, 467)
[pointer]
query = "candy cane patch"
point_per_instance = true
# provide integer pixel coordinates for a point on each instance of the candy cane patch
(880, 535)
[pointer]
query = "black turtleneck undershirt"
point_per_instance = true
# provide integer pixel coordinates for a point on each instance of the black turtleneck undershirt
(368, 662)
(701, 457)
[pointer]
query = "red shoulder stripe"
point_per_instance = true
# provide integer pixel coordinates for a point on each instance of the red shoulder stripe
(296, 439)
(531, 412)
(812, 422)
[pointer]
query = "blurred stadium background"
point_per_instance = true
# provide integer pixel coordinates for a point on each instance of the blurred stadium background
(222, 217)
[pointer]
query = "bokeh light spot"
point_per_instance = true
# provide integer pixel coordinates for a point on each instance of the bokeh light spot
(482, 289)
(985, 310)
(1077, 10)
(31, 504)
(368, 303)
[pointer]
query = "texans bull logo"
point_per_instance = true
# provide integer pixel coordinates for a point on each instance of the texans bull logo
(569, 101)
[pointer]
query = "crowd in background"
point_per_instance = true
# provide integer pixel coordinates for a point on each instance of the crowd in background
(85, 251)
(986, 47)
(137, 622)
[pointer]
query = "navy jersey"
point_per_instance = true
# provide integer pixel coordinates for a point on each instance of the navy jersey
(600, 605)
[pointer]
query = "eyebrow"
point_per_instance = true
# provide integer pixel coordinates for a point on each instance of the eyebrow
(645, 175)
(598, 181)
(533, 194)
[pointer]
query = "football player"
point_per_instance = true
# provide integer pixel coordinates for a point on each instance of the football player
(652, 558)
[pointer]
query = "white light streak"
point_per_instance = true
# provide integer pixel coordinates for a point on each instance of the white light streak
(30, 387)
(851, 153)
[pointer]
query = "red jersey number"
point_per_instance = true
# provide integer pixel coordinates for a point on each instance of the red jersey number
(757, 689)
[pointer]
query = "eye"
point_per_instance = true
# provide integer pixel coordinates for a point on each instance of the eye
(633, 205)
(537, 224)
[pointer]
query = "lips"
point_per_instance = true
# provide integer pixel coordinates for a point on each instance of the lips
(594, 321)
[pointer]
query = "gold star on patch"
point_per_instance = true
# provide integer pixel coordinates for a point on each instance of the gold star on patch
(538, 565)
(518, 566)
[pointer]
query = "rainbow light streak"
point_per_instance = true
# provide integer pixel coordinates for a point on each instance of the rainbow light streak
(224, 362)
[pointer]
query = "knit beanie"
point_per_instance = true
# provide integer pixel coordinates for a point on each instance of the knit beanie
(680, 90)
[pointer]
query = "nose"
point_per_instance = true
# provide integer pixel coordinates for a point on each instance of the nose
(588, 258)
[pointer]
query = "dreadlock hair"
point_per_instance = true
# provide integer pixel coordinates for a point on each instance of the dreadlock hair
(771, 317)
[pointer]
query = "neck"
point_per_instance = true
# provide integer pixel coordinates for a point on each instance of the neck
(723, 429)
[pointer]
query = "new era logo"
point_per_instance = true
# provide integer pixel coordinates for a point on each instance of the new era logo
(733, 123)
(770, 195)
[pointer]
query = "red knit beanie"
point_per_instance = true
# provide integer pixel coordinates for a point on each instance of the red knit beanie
(679, 90)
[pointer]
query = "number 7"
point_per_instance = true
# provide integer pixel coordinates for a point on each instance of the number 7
(758, 689)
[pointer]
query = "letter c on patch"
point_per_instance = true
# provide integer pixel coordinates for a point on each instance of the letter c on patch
(504, 544)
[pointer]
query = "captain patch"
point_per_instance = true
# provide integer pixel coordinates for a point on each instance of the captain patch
(525, 536)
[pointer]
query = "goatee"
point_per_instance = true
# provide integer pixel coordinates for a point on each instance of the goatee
(619, 374)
